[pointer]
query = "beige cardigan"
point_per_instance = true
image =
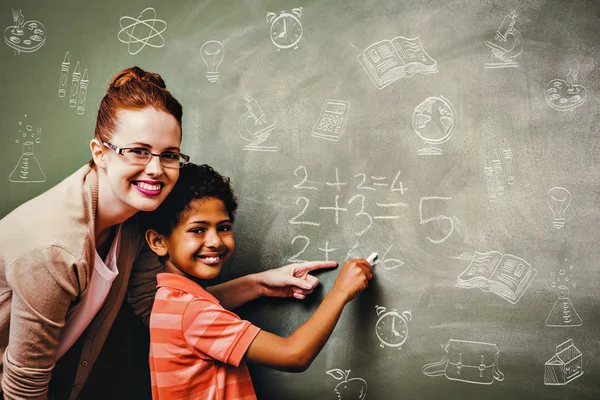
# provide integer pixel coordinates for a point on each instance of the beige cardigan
(47, 248)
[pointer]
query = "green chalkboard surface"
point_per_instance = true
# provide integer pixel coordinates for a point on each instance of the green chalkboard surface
(458, 139)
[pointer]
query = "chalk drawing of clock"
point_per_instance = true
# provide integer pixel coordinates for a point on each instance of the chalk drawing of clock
(392, 328)
(286, 29)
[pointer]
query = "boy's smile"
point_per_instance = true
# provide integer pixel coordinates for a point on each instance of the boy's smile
(202, 241)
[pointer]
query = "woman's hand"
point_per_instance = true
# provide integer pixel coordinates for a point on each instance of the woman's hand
(291, 280)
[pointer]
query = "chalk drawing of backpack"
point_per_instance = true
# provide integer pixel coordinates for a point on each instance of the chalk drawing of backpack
(470, 362)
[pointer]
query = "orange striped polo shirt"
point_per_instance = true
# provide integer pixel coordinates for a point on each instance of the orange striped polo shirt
(197, 346)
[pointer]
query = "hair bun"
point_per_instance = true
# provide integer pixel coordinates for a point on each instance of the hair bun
(136, 74)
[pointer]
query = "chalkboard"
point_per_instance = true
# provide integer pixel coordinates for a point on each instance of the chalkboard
(457, 139)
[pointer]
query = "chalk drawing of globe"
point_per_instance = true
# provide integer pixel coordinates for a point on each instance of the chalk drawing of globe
(433, 120)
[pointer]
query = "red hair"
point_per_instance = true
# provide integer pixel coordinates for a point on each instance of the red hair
(133, 89)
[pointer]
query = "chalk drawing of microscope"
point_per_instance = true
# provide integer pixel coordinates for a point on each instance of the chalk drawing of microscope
(257, 133)
(507, 44)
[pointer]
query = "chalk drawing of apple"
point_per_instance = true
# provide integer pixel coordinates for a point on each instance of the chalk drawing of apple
(348, 389)
(565, 95)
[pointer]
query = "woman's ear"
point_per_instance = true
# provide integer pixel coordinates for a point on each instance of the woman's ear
(97, 149)
(157, 242)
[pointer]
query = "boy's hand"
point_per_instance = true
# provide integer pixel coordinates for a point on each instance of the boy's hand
(353, 278)
(291, 280)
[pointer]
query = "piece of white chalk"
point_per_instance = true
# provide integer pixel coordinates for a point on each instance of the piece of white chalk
(372, 259)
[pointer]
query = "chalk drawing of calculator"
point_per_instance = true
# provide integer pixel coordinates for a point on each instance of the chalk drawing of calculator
(332, 121)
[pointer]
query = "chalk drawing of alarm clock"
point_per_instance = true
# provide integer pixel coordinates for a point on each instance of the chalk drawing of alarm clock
(392, 328)
(286, 29)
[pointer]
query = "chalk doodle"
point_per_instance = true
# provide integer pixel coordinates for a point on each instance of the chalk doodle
(387, 61)
(212, 53)
(509, 162)
(83, 85)
(505, 275)
(145, 30)
(259, 131)
(507, 44)
(499, 171)
(24, 36)
(565, 365)
(75, 86)
(434, 123)
(333, 119)
(286, 28)
(565, 95)
(392, 327)
(469, 362)
(78, 87)
(558, 200)
(28, 169)
(488, 169)
(65, 66)
(563, 313)
(348, 389)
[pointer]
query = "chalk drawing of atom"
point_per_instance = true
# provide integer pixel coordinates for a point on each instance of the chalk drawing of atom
(142, 31)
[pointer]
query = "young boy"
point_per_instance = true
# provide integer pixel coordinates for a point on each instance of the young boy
(197, 347)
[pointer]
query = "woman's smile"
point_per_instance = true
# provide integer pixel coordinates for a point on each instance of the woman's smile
(149, 188)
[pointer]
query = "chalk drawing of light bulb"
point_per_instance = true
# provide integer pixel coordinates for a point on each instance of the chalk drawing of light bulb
(559, 199)
(212, 52)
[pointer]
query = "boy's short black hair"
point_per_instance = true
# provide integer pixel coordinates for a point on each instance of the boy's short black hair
(195, 182)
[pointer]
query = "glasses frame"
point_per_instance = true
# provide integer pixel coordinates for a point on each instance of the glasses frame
(120, 151)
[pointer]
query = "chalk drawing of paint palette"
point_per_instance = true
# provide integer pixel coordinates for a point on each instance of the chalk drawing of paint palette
(26, 37)
(564, 96)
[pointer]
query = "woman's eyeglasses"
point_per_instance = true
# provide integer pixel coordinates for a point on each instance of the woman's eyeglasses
(141, 156)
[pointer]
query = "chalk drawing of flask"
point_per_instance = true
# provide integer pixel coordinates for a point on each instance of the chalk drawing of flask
(28, 168)
(258, 132)
(563, 313)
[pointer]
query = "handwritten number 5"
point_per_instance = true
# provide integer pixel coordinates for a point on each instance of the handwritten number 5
(435, 218)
